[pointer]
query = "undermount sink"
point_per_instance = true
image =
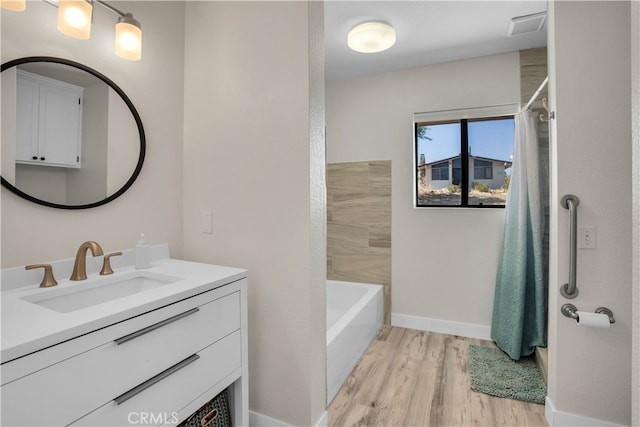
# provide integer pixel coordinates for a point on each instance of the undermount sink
(96, 291)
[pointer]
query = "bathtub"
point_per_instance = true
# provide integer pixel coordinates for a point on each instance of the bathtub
(355, 313)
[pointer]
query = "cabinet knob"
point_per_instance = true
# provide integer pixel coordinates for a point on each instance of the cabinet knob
(41, 158)
(35, 157)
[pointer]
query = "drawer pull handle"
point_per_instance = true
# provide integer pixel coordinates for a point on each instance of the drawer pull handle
(209, 418)
(151, 381)
(155, 326)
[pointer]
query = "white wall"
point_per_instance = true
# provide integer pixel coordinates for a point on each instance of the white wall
(33, 233)
(91, 179)
(254, 156)
(8, 111)
(123, 157)
(635, 105)
(590, 87)
(444, 260)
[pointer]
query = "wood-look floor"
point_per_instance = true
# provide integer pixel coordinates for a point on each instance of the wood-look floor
(416, 378)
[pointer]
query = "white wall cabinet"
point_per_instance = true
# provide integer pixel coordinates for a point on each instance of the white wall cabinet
(162, 366)
(48, 122)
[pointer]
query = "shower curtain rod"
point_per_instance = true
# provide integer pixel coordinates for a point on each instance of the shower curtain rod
(536, 93)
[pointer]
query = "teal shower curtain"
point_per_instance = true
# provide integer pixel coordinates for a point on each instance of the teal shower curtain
(518, 323)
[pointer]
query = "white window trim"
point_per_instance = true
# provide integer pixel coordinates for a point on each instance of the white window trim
(467, 113)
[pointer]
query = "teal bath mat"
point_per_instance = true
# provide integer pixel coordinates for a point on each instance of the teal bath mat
(496, 374)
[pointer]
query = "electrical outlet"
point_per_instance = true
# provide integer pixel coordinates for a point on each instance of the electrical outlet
(587, 237)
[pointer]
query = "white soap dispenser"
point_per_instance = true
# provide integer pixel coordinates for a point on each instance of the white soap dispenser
(143, 254)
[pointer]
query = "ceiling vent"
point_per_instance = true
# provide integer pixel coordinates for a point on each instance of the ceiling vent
(527, 24)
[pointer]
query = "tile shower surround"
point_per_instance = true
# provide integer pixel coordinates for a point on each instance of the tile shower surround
(359, 224)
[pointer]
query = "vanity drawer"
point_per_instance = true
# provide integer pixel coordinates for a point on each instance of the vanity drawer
(161, 401)
(77, 385)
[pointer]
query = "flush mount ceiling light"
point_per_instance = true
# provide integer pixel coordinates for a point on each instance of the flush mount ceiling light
(371, 37)
(74, 20)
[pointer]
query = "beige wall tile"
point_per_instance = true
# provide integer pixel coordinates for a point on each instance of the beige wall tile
(348, 178)
(380, 237)
(369, 268)
(366, 209)
(359, 224)
(380, 178)
(347, 238)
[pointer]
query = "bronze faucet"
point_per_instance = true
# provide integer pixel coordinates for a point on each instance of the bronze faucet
(106, 264)
(80, 266)
(47, 280)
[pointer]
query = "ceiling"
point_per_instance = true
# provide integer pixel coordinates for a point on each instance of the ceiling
(428, 32)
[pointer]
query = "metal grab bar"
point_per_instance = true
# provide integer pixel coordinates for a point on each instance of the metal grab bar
(571, 202)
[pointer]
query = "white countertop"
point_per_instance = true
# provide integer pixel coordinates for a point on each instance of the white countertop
(28, 327)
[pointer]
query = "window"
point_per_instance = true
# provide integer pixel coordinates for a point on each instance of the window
(465, 162)
(440, 171)
(482, 169)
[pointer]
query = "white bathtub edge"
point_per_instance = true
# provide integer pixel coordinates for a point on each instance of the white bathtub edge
(371, 291)
(352, 333)
(467, 330)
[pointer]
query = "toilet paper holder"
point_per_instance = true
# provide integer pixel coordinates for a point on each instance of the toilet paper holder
(570, 310)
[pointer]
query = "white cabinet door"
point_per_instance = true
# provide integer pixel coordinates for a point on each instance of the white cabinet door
(60, 127)
(27, 106)
(49, 121)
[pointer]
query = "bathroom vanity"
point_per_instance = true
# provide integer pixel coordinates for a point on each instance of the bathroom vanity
(138, 347)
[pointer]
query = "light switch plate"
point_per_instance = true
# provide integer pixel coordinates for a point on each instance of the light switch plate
(207, 222)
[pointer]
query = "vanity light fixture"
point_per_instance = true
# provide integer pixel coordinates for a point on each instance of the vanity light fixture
(371, 37)
(74, 20)
(14, 5)
(128, 38)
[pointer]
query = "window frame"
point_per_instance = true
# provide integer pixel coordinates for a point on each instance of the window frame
(462, 116)
(484, 169)
(439, 169)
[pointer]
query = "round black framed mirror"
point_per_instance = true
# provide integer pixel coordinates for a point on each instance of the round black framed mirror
(108, 162)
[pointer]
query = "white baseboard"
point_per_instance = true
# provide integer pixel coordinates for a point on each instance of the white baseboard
(257, 419)
(566, 419)
(323, 421)
(468, 330)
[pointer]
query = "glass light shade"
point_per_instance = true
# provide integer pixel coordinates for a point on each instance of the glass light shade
(74, 18)
(14, 5)
(371, 37)
(128, 38)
